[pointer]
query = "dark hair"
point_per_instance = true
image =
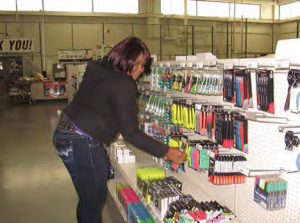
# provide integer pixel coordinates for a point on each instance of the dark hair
(123, 55)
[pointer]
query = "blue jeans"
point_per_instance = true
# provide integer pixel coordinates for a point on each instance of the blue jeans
(87, 163)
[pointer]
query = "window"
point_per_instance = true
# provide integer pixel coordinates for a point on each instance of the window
(213, 9)
(245, 11)
(289, 10)
(68, 5)
(172, 7)
(192, 7)
(30, 5)
(118, 6)
(8, 5)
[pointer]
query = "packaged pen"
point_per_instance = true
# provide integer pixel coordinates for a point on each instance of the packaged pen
(242, 88)
(228, 94)
(265, 90)
(240, 132)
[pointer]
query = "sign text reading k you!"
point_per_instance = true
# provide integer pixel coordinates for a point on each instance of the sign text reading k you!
(16, 45)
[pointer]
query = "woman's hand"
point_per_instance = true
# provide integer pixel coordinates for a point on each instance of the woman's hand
(176, 155)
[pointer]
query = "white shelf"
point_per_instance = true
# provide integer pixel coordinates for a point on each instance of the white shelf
(111, 186)
(129, 170)
(194, 183)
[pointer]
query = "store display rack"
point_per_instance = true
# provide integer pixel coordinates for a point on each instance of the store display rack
(128, 172)
(266, 147)
(111, 186)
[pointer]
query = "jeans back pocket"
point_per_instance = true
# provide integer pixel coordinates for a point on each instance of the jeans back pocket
(64, 148)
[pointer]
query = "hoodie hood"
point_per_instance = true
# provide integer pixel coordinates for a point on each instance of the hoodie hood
(98, 70)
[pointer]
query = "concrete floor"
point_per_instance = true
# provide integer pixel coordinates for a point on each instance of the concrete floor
(34, 184)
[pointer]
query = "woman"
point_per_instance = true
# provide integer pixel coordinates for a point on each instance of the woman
(104, 106)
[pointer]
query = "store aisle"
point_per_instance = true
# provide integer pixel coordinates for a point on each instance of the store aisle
(34, 185)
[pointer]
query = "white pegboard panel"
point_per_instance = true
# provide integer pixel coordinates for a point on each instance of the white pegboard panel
(248, 211)
(280, 91)
(266, 152)
(267, 148)
(253, 86)
(292, 210)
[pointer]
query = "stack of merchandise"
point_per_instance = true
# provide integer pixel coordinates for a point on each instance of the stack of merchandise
(226, 169)
(135, 210)
(270, 192)
(157, 190)
(143, 98)
(147, 174)
(165, 195)
(120, 152)
(189, 210)
(200, 81)
(197, 154)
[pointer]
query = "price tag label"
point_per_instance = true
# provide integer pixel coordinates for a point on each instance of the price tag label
(198, 106)
(161, 65)
(168, 64)
(267, 64)
(198, 146)
(211, 154)
(199, 65)
(183, 64)
(245, 171)
(228, 66)
(283, 64)
(252, 65)
(213, 63)
(189, 101)
(190, 64)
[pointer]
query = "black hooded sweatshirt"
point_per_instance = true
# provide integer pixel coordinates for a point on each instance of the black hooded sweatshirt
(105, 105)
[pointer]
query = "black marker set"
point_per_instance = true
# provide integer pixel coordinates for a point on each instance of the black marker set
(237, 87)
(226, 169)
(265, 90)
(242, 88)
(228, 94)
(232, 130)
(205, 120)
(224, 129)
